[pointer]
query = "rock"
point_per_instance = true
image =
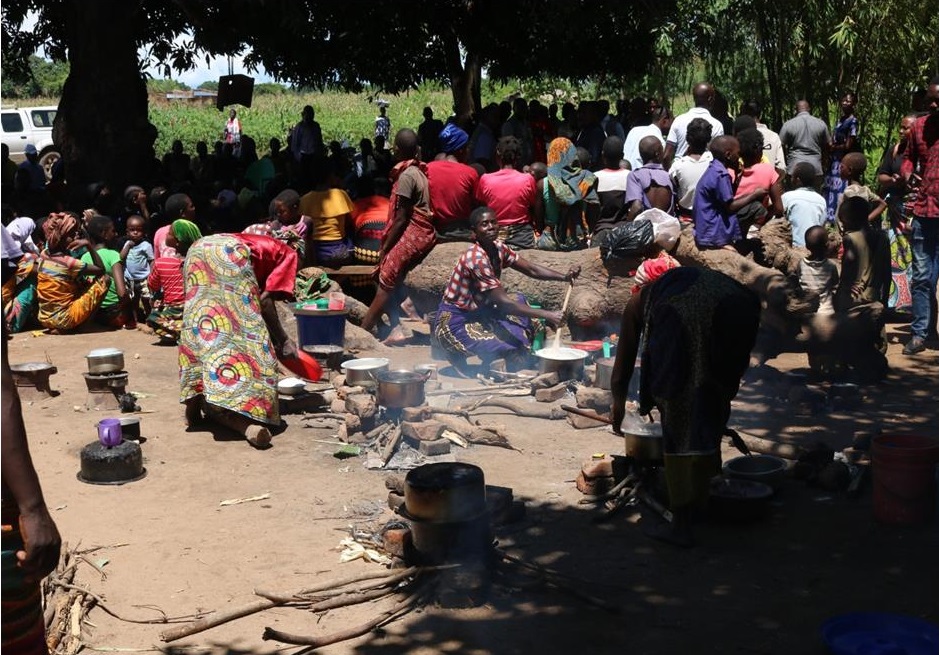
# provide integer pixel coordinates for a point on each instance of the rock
(545, 380)
(593, 486)
(582, 422)
(362, 405)
(593, 398)
(338, 381)
(337, 406)
(396, 541)
(598, 467)
(345, 392)
(429, 430)
(435, 447)
(353, 422)
(414, 414)
(551, 394)
(394, 500)
(342, 433)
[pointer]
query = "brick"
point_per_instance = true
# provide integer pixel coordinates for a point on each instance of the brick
(435, 447)
(353, 422)
(338, 380)
(395, 501)
(582, 422)
(429, 430)
(396, 541)
(544, 381)
(415, 413)
(345, 392)
(598, 468)
(337, 406)
(593, 486)
(551, 394)
(362, 405)
(594, 398)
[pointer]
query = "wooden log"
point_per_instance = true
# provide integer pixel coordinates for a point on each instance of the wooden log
(476, 434)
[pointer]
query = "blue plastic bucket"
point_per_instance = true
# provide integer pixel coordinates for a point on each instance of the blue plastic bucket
(321, 327)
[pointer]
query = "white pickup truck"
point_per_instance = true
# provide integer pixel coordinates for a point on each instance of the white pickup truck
(20, 126)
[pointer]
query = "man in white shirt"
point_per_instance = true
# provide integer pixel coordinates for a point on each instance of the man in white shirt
(688, 169)
(661, 122)
(772, 146)
(676, 145)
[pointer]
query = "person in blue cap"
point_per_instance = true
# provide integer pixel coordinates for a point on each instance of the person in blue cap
(37, 174)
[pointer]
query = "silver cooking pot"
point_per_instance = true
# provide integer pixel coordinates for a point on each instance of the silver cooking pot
(398, 389)
(364, 372)
(105, 360)
(568, 363)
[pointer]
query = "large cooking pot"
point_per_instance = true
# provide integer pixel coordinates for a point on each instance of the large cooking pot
(445, 492)
(105, 360)
(568, 363)
(645, 447)
(398, 389)
(364, 372)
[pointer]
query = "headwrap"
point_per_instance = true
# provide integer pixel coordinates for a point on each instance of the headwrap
(57, 228)
(452, 138)
(569, 182)
(185, 231)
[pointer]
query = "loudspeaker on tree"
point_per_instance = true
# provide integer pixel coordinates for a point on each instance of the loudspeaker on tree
(234, 90)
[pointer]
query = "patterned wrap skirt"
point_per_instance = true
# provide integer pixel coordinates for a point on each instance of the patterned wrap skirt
(485, 332)
(23, 627)
(225, 351)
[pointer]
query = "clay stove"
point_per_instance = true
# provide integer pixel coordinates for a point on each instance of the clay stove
(32, 380)
(105, 390)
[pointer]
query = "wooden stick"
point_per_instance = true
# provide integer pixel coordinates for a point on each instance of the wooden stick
(567, 297)
(389, 450)
(270, 634)
(303, 596)
(520, 409)
(219, 618)
(769, 447)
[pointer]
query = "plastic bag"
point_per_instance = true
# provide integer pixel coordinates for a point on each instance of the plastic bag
(628, 239)
(665, 227)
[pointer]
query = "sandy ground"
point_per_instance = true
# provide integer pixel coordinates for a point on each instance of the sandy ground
(760, 588)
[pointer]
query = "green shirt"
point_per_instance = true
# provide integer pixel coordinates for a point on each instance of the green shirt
(109, 258)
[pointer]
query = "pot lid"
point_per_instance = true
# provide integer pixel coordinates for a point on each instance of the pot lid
(444, 475)
(105, 352)
(365, 364)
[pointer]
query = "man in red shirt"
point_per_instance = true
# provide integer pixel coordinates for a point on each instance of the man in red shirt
(921, 170)
(452, 186)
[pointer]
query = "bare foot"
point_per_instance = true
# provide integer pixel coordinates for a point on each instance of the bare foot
(258, 436)
(398, 337)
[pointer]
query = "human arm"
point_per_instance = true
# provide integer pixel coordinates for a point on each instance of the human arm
(284, 346)
(669, 155)
(41, 540)
(537, 206)
(399, 222)
(775, 198)
(626, 351)
(879, 206)
(96, 267)
(539, 272)
(117, 274)
(508, 305)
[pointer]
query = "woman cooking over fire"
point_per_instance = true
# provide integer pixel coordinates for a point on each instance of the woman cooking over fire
(699, 327)
(476, 316)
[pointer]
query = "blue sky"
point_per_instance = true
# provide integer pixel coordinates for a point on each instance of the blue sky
(217, 67)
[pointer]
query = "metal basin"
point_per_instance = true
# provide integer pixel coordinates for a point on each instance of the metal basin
(757, 468)
(364, 372)
(568, 363)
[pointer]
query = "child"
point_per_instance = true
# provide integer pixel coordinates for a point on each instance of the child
(112, 311)
(865, 265)
(714, 213)
(852, 170)
(166, 283)
(755, 174)
(804, 206)
(817, 273)
(137, 256)
(286, 224)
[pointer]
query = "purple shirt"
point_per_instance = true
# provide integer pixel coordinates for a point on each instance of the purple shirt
(714, 225)
(642, 178)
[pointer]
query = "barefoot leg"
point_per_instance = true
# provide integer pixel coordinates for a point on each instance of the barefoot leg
(194, 410)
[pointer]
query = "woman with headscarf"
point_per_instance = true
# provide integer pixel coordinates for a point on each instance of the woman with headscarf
(452, 186)
(166, 282)
(697, 327)
(568, 193)
(231, 336)
(66, 298)
(19, 292)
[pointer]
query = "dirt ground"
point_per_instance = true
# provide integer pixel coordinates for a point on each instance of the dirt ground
(760, 588)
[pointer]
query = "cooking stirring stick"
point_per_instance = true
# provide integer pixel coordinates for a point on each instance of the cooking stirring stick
(557, 333)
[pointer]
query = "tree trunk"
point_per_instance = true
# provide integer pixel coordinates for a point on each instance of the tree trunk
(465, 87)
(102, 128)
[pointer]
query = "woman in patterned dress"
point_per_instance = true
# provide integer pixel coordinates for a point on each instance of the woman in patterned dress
(231, 337)
(476, 315)
(843, 140)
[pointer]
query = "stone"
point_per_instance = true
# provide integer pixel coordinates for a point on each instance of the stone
(396, 541)
(337, 406)
(362, 405)
(551, 394)
(435, 447)
(353, 422)
(342, 433)
(598, 467)
(429, 430)
(415, 413)
(593, 486)
(544, 381)
(394, 500)
(593, 398)
(582, 422)
(338, 380)
(344, 392)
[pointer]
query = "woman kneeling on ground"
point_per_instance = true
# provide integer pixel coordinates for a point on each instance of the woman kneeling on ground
(476, 316)
(231, 336)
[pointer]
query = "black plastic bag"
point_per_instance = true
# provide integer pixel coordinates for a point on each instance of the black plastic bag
(628, 240)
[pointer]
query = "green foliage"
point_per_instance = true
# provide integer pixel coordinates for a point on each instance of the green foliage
(342, 115)
(41, 78)
(267, 89)
(209, 85)
(165, 86)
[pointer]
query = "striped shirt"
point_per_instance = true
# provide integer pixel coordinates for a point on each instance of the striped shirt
(167, 276)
